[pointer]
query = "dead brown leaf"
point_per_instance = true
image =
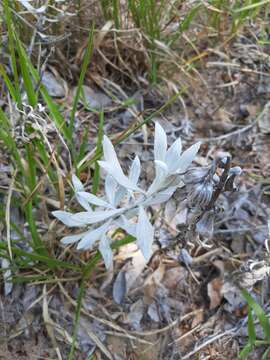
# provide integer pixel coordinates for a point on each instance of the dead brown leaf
(175, 276)
(214, 292)
(152, 282)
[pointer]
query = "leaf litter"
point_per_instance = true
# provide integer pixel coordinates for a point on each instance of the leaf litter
(150, 298)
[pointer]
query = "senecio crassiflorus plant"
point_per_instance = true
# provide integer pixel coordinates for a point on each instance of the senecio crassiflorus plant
(125, 203)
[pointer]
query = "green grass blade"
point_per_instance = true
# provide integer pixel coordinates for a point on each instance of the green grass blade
(245, 351)
(27, 81)
(50, 262)
(251, 327)
(10, 31)
(43, 154)
(31, 181)
(185, 24)
(9, 84)
(4, 120)
(4, 255)
(7, 138)
(13, 226)
(105, 5)
(83, 145)
(116, 13)
(31, 173)
(252, 6)
(134, 12)
(55, 114)
(266, 354)
(37, 242)
(9, 143)
(259, 312)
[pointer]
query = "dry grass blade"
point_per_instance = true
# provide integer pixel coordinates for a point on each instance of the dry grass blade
(102, 321)
(130, 337)
(168, 327)
(214, 338)
(40, 298)
(98, 343)
(201, 70)
(49, 323)
(190, 332)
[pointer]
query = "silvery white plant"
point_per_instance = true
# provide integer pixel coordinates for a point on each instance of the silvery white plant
(124, 200)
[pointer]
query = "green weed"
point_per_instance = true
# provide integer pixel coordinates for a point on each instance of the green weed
(255, 308)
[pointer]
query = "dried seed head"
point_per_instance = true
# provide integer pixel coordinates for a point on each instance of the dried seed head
(201, 194)
(194, 176)
(222, 157)
(233, 173)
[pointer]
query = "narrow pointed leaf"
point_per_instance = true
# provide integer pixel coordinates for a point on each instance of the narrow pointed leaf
(66, 218)
(27, 81)
(110, 189)
(173, 155)
(109, 152)
(161, 174)
(260, 313)
(93, 199)
(144, 234)
(160, 197)
(112, 166)
(135, 170)
(87, 218)
(124, 224)
(245, 351)
(71, 238)
(78, 185)
(81, 200)
(251, 327)
(160, 143)
(9, 83)
(118, 175)
(119, 195)
(90, 237)
(106, 251)
(186, 158)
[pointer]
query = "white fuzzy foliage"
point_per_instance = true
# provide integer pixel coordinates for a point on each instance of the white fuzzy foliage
(125, 203)
(144, 234)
